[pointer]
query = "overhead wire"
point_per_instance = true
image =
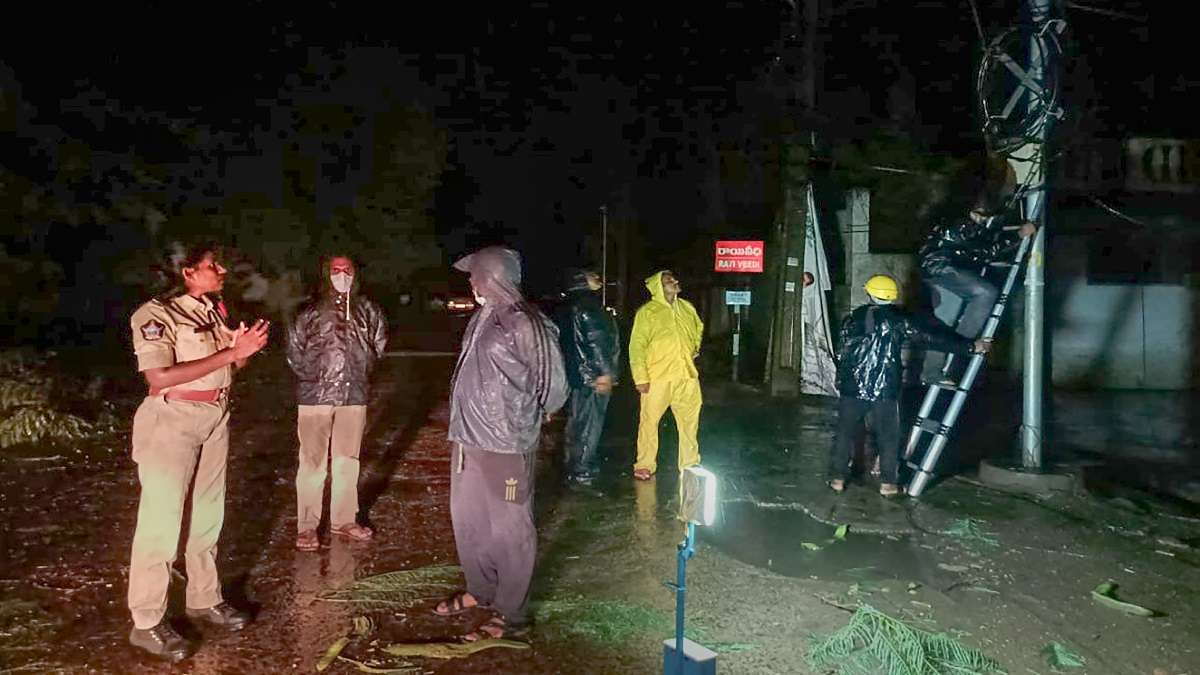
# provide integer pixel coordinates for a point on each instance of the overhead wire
(978, 23)
(1107, 12)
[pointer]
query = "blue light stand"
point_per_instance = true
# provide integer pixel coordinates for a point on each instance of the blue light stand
(685, 657)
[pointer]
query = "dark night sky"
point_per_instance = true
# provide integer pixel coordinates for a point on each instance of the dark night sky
(636, 85)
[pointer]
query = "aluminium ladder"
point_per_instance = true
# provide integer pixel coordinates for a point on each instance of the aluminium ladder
(937, 427)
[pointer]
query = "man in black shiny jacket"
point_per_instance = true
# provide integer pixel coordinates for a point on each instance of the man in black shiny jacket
(591, 346)
(953, 258)
(869, 377)
(332, 346)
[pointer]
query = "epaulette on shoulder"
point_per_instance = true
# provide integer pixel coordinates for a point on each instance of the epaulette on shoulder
(152, 302)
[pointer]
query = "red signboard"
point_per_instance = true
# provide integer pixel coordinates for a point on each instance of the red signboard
(745, 257)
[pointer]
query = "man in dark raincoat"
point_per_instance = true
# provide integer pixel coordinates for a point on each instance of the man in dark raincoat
(591, 348)
(509, 377)
(332, 346)
(869, 378)
(952, 261)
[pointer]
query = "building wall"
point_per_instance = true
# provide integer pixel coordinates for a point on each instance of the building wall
(1118, 335)
(853, 223)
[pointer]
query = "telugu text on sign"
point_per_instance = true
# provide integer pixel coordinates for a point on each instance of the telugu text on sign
(745, 257)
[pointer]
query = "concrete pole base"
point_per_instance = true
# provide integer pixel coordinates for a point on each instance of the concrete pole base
(1040, 482)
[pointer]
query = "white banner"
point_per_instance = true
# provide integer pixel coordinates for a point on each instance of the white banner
(818, 370)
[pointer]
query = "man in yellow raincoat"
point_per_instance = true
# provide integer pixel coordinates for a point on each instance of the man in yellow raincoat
(662, 352)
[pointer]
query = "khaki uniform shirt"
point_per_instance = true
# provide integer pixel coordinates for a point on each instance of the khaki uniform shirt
(182, 329)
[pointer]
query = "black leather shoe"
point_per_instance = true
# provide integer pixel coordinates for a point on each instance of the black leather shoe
(161, 641)
(223, 614)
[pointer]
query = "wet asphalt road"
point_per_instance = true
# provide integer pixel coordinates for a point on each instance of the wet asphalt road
(68, 515)
(70, 518)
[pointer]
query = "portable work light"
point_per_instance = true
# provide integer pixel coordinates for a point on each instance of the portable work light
(697, 506)
(698, 496)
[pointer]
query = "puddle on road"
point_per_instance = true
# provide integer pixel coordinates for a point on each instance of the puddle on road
(774, 538)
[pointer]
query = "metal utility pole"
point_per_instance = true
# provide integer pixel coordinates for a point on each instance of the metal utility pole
(1035, 210)
(1019, 64)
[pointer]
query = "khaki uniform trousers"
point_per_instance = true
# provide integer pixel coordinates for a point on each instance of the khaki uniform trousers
(325, 431)
(684, 400)
(177, 445)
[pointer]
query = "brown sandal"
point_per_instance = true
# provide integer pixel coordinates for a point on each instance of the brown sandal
(889, 490)
(353, 531)
(308, 541)
(496, 628)
(456, 604)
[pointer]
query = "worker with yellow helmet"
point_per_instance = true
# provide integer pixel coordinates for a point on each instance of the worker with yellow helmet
(869, 377)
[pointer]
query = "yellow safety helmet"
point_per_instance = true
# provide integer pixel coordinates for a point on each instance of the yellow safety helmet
(882, 287)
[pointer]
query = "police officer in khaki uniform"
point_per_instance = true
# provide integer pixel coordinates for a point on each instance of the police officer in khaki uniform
(180, 441)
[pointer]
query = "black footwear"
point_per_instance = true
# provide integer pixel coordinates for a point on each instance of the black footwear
(223, 614)
(161, 641)
(582, 477)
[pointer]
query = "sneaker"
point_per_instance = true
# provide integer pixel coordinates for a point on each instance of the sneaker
(223, 614)
(161, 641)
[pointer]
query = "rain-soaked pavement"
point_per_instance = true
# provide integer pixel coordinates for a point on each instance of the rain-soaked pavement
(768, 575)
(70, 517)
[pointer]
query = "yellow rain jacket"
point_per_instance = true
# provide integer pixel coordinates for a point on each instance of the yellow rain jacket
(665, 338)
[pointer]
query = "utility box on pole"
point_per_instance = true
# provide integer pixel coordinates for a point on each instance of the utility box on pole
(787, 265)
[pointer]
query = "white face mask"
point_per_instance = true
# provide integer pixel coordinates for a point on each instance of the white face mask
(480, 299)
(342, 281)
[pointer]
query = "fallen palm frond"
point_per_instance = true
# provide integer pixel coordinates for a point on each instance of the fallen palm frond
(1059, 656)
(838, 535)
(37, 422)
(730, 647)
(39, 667)
(404, 669)
(332, 653)
(451, 650)
(428, 650)
(969, 530)
(362, 626)
(873, 643)
(1106, 594)
(31, 398)
(402, 588)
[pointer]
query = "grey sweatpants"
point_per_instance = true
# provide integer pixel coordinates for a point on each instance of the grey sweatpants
(491, 507)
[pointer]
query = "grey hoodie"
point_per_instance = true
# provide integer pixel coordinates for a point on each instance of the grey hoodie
(510, 372)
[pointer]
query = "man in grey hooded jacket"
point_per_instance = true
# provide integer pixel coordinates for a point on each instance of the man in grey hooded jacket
(509, 377)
